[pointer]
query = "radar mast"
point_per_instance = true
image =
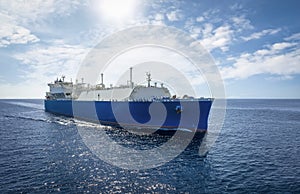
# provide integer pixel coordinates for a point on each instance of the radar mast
(148, 78)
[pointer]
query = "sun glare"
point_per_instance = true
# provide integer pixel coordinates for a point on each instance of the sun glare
(117, 10)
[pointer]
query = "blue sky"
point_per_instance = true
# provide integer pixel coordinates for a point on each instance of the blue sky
(255, 43)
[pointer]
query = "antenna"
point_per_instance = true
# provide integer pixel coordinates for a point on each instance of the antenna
(131, 83)
(148, 78)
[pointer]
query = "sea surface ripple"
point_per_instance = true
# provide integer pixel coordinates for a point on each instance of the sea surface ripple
(256, 152)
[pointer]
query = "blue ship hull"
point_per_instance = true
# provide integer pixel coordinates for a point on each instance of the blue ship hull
(104, 112)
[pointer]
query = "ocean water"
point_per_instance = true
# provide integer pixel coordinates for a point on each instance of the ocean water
(257, 151)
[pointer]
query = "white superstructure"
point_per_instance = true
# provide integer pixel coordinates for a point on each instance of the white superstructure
(82, 91)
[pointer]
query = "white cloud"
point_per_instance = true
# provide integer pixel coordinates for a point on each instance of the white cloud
(11, 33)
(279, 78)
(293, 37)
(195, 31)
(43, 63)
(212, 15)
(18, 17)
(236, 7)
(158, 19)
(274, 60)
(28, 11)
(159, 16)
(241, 23)
(214, 35)
(258, 35)
(220, 37)
(200, 19)
(174, 15)
(282, 45)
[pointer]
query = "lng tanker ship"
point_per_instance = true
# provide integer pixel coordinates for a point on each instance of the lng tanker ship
(140, 107)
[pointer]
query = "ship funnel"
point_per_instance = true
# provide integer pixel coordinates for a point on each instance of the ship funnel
(101, 78)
